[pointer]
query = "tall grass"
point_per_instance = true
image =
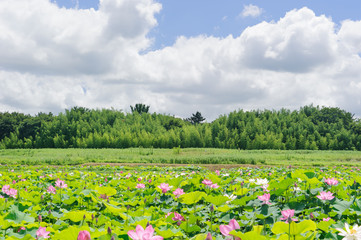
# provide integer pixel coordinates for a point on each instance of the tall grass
(179, 156)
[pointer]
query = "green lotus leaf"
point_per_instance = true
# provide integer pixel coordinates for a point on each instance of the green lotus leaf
(341, 206)
(283, 185)
(325, 225)
(115, 210)
(280, 227)
(294, 228)
(241, 191)
(202, 236)
(70, 233)
(191, 198)
(4, 223)
(304, 226)
(77, 216)
(224, 208)
(216, 200)
(109, 191)
(169, 233)
(189, 228)
(16, 236)
(314, 182)
(248, 235)
(18, 217)
(70, 201)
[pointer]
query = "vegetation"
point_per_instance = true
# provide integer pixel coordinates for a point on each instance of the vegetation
(104, 203)
(310, 128)
(140, 108)
(196, 118)
(297, 158)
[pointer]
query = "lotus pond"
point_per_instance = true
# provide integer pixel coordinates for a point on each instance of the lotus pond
(103, 202)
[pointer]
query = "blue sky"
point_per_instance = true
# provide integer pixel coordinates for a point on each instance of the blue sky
(221, 18)
(180, 56)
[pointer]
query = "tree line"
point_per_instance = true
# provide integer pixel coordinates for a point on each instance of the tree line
(310, 127)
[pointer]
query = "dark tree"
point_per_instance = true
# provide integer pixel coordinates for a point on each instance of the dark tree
(196, 118)
(333, 115)
(173, 123)
(140, 108)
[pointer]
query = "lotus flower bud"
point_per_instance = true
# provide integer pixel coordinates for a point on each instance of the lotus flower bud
(209, 236)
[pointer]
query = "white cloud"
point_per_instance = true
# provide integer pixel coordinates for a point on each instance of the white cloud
(55, 58)
(39, 37)
(298, 42)
(251, 11)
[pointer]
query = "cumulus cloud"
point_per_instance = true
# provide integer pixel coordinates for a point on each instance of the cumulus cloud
(251, 11)
(39, 37)
(298, 42)
(55, 58)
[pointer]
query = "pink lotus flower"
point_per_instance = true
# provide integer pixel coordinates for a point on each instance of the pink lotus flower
(288, 214)
(265, 198)
(165, 187)
(178, 192)
(60, 184)
(84, 235)
(215, 185)
(326, 219)
(207, 182)
(140, 185)
(177, 216)
(325, 196)
(331, 181)
(141, 234)
(42, 233)
(264, 187)
(209, 236)
(13, 193)
(103, 196)
(6, 189)
(51, 189)
(217, 172)
(225, 229)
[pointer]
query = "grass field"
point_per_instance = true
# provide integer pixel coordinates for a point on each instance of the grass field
(179, 156)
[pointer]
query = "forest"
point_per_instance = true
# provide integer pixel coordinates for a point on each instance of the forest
(310, 127)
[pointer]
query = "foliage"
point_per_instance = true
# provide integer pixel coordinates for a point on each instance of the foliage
(196, 118)
(310, 128)
(107, 202)
(139, 108)
(76, 156)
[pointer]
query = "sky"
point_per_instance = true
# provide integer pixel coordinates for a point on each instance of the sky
(179, 56)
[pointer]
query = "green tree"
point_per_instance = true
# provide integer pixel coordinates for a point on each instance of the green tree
(196, 118)
(140, 108)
